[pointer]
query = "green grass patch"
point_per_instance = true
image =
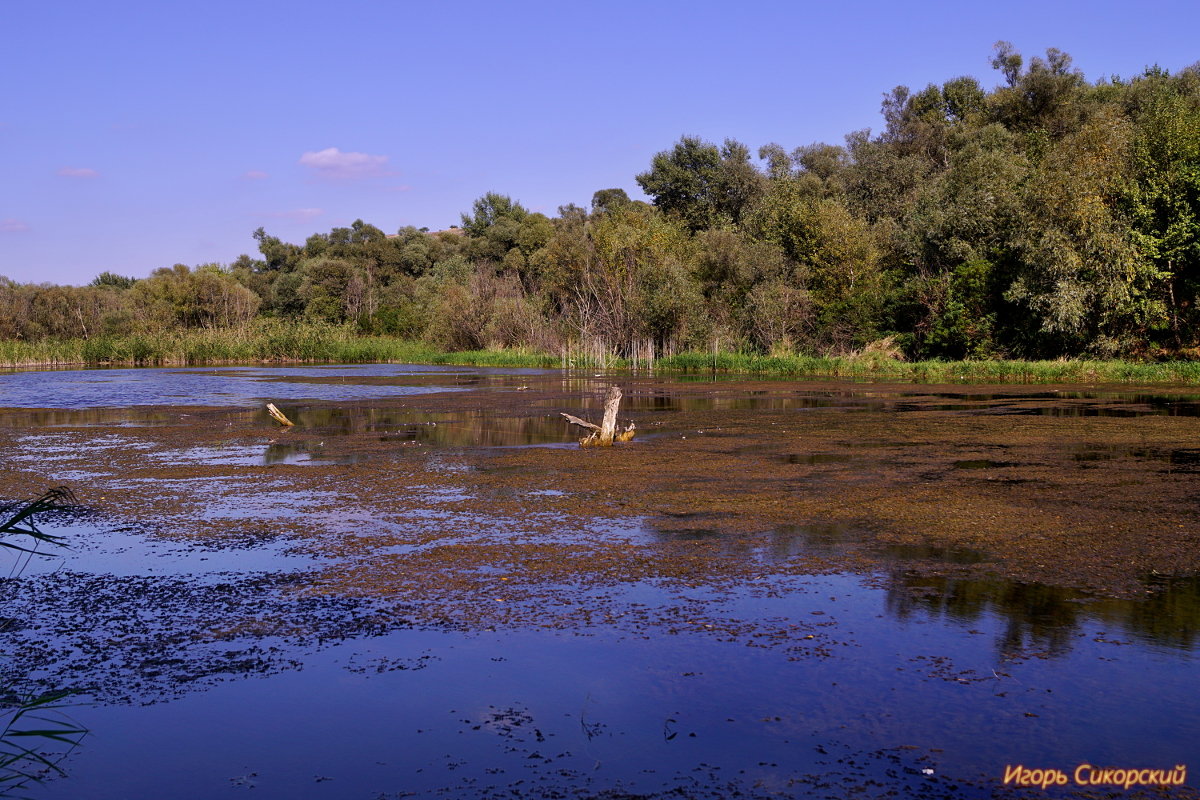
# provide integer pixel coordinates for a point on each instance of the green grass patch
(875, 367)
(268, 341)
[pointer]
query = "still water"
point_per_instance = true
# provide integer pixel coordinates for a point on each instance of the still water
(211, 665)
(201, 386)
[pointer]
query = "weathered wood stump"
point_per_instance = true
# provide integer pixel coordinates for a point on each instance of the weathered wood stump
(278, 415)
(602, 435)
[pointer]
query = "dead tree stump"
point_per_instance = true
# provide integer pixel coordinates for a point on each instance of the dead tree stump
(278, 415)
(602, 435)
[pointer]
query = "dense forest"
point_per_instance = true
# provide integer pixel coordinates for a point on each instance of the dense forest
(1046, 217)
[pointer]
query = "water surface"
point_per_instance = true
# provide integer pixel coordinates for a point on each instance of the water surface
(422, 593)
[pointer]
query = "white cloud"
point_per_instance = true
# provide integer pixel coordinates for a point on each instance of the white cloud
(78, 172)
(333, 163)
(255, 175)
(295, 214)
(12, 226)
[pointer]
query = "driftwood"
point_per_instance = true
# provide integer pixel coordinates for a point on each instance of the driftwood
(603, 434)
(278, 415)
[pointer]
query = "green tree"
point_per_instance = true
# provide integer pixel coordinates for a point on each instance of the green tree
(1045, 98)
(333, 290)
(209, 297)
(1163, 195)
(109, 280)
(1082, 276)
(607, 200)
(633, 285)
(490, 210)
(705, 186)
(277, 254)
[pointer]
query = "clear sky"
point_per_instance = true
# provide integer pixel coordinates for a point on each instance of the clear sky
(135, 135)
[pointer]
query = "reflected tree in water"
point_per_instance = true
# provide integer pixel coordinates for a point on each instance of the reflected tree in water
(1044, 620)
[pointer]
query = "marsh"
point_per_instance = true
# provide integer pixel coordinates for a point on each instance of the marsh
(426, 588)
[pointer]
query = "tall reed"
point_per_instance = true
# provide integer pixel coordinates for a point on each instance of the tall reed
(281, 341)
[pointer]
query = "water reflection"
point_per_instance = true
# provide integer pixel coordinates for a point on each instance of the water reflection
(857, 397)
(233, 386)
(814, 459)
(1040, 619)
(766, 547)
(1178, 459)
(470, 428)
(1046, 620)
(243, 385)
(1107, 404)
(981, 463)
(490, 428)
(85, 417)
(1037, 619)
(663, 400)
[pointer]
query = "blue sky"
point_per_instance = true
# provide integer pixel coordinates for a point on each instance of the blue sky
(135, 135)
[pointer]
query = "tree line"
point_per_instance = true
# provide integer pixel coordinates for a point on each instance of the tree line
(1048, 216)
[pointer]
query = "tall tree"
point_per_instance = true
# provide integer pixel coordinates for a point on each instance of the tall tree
(705, 186)
(1163, 196)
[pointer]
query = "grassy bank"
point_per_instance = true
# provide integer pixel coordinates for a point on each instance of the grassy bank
(262, 342)
(277, 342)
(1066, 371)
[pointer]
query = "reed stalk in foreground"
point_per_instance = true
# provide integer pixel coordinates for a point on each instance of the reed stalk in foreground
(23, 520)
(33, 723)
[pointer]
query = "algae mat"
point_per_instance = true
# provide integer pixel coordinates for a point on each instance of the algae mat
(779, 589)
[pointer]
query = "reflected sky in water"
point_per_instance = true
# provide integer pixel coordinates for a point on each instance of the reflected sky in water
(208, 386)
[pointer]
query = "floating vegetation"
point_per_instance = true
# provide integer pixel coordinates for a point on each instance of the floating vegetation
(715, 611)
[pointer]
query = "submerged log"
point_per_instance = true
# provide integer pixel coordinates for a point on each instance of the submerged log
(603, 434)
(278, 415)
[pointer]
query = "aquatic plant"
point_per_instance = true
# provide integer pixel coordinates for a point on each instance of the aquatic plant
(33, 722)
(23, 520)
(273, 340)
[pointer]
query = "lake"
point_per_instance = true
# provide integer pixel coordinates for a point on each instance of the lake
(426, 588)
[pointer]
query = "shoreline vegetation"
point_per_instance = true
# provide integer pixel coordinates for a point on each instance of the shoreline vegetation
(1046, 229)
(274, 342)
